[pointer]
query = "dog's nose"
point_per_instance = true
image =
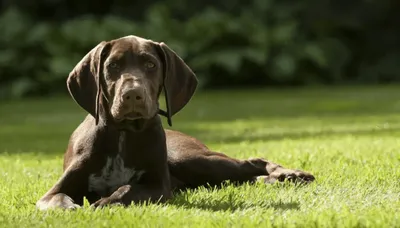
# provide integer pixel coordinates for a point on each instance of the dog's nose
(134, 94)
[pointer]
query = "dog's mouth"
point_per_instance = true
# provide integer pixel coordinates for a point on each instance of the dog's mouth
(132, 125)
(133, 121)
(132, 116)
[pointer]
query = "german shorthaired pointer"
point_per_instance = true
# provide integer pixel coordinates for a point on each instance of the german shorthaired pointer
(120, 154)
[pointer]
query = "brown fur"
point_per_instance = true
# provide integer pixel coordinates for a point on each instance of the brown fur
(170, 160)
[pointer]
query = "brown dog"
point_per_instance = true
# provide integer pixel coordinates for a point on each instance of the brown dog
(120, 153)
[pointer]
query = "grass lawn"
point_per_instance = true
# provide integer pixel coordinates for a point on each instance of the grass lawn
(349, 138)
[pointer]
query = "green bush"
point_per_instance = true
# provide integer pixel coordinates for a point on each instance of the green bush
(264, 42)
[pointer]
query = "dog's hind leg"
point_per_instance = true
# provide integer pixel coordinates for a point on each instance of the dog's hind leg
(213, 168)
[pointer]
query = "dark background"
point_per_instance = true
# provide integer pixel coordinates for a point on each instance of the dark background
(228, 43)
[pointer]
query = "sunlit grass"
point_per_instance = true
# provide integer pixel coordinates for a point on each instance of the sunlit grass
(347, 137)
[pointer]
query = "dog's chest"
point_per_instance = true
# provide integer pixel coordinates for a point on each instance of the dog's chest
(113, 175)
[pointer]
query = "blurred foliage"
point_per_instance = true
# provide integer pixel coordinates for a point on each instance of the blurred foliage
(228, 43)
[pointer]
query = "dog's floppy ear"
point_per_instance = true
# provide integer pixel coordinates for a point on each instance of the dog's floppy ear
(179, 84)
(85, 80)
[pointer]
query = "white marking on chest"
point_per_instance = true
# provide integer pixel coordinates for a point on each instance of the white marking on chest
(112, 176)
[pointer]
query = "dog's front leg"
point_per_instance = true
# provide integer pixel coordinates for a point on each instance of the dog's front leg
(68, 192)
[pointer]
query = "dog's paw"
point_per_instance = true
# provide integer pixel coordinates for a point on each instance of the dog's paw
(58, 201)
(104, 202)
(115, 199)
(282, 175)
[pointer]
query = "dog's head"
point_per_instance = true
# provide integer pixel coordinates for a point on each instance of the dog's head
(120, 81)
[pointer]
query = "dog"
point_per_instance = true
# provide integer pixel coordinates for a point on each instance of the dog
(121, 154)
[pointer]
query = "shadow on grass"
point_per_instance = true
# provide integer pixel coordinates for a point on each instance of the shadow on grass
(225, 198)
(55, 144)
(222, 136)
(237, 205)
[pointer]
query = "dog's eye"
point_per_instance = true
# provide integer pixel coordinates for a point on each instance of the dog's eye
(113, 65)
(149, 65)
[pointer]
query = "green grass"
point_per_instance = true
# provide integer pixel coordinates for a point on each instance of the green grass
(349, 138)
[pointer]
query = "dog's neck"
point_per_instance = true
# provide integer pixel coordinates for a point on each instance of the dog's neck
(122, 143)
(120, 140)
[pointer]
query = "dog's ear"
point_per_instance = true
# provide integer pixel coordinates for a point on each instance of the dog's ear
(85, 80)
(179, 84)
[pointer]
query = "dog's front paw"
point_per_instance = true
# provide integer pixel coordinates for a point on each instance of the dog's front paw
(59, 200)
(114, 200)
(103, 202)
(282, 174)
